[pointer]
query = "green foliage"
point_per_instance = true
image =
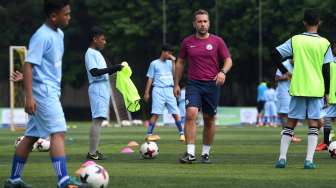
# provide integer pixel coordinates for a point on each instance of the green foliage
(134, 33)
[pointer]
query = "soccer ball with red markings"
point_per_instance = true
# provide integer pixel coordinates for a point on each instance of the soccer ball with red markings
(149, 150)
(42, 145)
(332, 149)
(95, 176)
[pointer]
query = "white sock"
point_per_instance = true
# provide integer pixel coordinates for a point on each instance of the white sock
(284, 145)
(206, 149)
(312, 143)
(191, 149)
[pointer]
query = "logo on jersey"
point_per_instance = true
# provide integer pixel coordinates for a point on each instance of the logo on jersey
(192, 46)
(209, 47)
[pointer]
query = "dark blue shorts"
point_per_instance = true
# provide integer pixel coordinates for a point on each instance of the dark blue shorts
(203, 95)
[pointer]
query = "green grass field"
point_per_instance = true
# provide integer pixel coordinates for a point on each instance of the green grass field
(242, 156)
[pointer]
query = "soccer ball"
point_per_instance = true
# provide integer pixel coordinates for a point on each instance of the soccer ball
(332, 149)
(95, 176)
(149, 150)
(18, 140)
(41, 145)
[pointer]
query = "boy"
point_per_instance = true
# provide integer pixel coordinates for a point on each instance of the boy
(283, 97)
(270, 107)
(160, 74)
(330, 111)
(42, 79)
(311, 54)
(99, 88)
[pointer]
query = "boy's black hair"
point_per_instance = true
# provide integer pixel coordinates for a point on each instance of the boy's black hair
(95, 32)
(51, 6)
(311, 16)
(167, 47)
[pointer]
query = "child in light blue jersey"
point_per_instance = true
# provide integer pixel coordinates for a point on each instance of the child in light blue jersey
(160, 75)
(99, 88)
(270, 107)
(42, 84)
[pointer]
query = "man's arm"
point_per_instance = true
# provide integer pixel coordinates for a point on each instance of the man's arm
(220, 78)
(30, 105)
(178, 75)
(147, 89)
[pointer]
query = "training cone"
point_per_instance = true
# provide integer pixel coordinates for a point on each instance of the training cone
(132, 144)
(127, 150)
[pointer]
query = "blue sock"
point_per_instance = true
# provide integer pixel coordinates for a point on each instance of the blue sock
(17, 167)
(59, 164)
(179, 126)
(150, 128)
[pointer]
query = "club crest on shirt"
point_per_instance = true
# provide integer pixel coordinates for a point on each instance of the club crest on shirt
(209, 47)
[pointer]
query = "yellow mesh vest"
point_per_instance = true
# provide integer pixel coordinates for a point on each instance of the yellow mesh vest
(308, 56)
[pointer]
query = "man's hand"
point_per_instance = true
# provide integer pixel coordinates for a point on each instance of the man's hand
(30, 105)
(16, 76)
(146, 97)
(177, 90)
(220, 79)
(288, 75)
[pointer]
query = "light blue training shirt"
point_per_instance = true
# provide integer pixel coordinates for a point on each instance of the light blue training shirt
(161, 72)
(45, 52)
(283, 86)
(94, 59)
(286, 50)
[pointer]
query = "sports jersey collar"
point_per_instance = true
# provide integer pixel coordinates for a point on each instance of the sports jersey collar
(311, 34)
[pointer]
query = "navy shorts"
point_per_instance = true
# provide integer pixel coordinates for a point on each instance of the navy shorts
(203, 95)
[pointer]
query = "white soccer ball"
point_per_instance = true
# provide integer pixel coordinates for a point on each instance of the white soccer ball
(332, 149)
(18, 140)
(95, 176)
(149, 150)
(42, 145)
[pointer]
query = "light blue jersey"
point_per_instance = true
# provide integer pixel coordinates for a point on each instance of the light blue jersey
(99, 88)
(94, 59)
(46, 50)
(161, 73)
(270, 106)
(286, 50)
(282, 89)
(45, 54)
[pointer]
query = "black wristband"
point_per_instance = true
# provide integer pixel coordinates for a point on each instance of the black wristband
(222, 70)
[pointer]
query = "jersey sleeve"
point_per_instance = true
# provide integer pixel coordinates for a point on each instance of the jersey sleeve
(150, 72)
(328, 58)
(90, 61)
(285, 49)
(37, 45)
(223, 50)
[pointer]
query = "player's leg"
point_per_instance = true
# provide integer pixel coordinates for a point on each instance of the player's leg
(172, 107)
(99, 96)
(19, 159)
(210, 99)
(93, 153)
(150, 129)
(297, 110)
(314, 114)
(193, 104)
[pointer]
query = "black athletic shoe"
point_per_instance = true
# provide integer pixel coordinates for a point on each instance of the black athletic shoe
(205, 159)
(19, 184)
(187, 158)
(96, 156)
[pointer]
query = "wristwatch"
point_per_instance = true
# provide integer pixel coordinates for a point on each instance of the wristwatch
(222, 70)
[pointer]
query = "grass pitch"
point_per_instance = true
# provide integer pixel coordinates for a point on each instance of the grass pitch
(242, 157)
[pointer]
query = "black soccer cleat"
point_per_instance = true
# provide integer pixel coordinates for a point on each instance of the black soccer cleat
(96, 156)
(205, 159)
(187, 159)
(19, 184)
